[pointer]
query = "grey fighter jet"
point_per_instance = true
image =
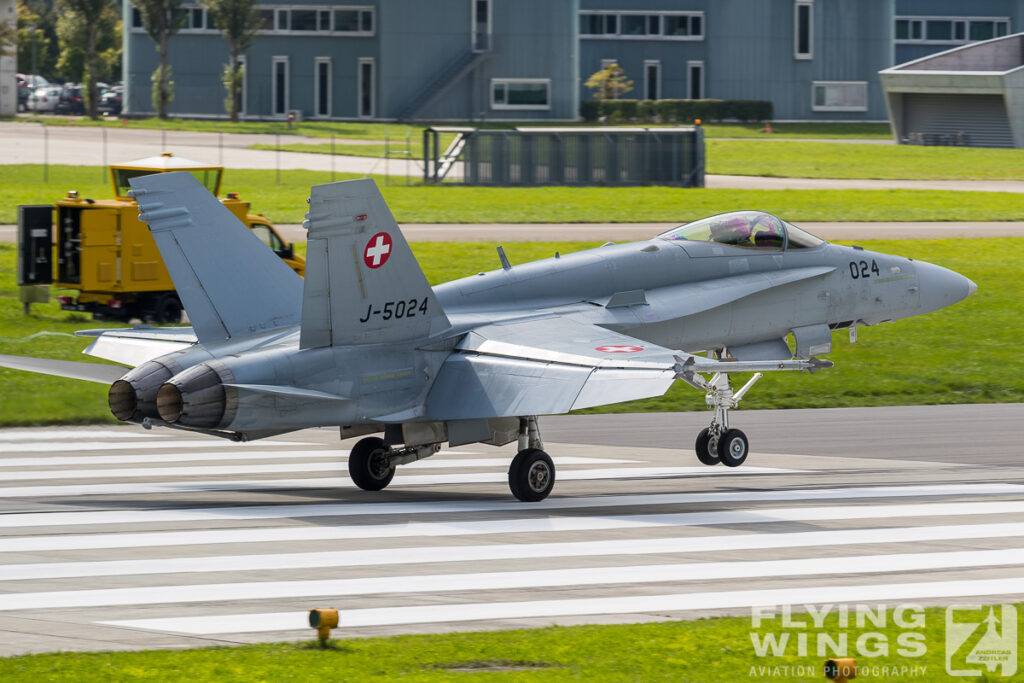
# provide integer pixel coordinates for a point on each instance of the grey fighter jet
(366, 345)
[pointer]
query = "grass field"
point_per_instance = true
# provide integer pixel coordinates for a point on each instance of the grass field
(945, 357)
(286, 202)
(842, 160)
(701, 651)
(363, 130)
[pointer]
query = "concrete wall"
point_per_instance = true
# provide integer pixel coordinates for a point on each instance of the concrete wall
(8, 65)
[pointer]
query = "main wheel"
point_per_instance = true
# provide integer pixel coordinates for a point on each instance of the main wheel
(531, 476)
(168, 309)
(703, 447)
(368, 464)
(732, 448)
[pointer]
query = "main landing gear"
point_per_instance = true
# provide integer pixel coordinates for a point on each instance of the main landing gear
(531, 476)
(718, 443)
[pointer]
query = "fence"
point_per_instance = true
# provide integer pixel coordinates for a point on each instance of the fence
(568, 156)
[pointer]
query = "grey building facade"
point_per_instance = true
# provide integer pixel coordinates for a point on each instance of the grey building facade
(379, 59)
(528, 59)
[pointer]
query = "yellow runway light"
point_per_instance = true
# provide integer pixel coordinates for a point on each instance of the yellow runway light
(841, 669)
(323, 620)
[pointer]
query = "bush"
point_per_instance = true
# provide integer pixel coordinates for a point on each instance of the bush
(678, 111)
(590, 110)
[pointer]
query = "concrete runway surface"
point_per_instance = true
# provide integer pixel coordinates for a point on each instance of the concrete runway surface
(116, 538)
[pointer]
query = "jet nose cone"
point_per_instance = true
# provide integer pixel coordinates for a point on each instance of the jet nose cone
(941, 287)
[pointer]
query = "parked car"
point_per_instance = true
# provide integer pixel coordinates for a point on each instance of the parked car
(70, 101)
(43, 99)
(110, 101)
(26, 84)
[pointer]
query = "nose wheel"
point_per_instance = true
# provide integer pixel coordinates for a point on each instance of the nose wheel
(718, 443)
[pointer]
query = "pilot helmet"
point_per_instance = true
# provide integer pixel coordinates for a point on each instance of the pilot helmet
(731, 230)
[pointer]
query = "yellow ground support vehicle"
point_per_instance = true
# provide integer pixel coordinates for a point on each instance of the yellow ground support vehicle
(103, 251)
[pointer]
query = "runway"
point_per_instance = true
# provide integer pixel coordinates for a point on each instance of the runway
(121, 538)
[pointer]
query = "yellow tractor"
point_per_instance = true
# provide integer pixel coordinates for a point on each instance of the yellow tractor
(103, 251)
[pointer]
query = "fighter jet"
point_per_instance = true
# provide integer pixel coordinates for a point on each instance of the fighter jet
(365, 344)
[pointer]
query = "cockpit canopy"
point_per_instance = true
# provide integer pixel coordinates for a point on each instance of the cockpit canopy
(747, 230)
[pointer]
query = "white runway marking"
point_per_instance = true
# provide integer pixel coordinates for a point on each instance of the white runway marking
(576, 576)
(212, 470)
(400, 480)
(479, 553)
(75, 446)
(84, 434)
(530, 525)
(554, 503)
(657, 604)
(340, 454)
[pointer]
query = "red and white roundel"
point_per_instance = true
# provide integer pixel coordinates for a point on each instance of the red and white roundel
(377, 250)
(619, 349)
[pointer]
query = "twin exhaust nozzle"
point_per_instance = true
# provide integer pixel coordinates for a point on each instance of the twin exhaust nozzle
(160, 389)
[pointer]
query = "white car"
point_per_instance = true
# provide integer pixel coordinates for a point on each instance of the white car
(43, 99)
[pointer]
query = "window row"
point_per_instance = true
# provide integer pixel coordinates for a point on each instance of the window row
(652, 78)
(631, 25)
(949, 30)
(323, 67)
(287, 20)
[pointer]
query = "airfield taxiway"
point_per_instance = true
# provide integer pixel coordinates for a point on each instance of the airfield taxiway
(119, 538)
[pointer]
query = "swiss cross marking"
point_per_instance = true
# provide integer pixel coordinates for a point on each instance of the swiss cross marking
(619, 349)
(377, 251)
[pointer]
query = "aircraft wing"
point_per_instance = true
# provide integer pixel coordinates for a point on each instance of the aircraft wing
(135, 346)
(546, 366)
(90, 372)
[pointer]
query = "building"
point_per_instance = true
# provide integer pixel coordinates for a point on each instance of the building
(380, 59)
(971, 95)
(468, 60)
(8, 65)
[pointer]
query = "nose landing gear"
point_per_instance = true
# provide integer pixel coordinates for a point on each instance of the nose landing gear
(718, 443)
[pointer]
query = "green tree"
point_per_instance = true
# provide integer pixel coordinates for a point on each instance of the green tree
(87, 18)
(71, 61)
(35, 54)
(8, 37)
(161, 19)
(609, 83)
(238, 21)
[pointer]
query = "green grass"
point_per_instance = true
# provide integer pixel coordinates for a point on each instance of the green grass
(701, 651)
(377, 131)
(964, 354)
(286, 202)
(415, 148)
(841, 160)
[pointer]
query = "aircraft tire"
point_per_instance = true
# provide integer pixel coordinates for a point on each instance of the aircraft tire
(365, 464)
(703, 448)
(531, 476)
(733, 448)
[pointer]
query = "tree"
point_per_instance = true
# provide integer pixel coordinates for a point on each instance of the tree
(72, 61)
(609, 83)
(8, 37)
(88, 14)
(238, 21)
(161, 19)
(35, 51)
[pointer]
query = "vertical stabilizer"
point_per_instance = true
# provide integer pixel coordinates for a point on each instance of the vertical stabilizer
(230, 283)
(363, 285)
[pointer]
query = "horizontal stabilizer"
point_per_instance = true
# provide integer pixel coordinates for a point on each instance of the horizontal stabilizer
(230, 283)
(90, 372)
(134, 346)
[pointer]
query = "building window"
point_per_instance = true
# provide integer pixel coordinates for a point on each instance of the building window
(521, 93)
(803, 25)
(322, 86)
(652, 80)
(366, 87)
(949, 30)
(481, 38)
(642, 25)
(317, 20)
(839, 96)
(695, 80)
(194, 20)
(279, 85)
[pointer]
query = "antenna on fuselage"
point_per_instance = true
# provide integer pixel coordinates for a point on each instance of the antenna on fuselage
(505, 265)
